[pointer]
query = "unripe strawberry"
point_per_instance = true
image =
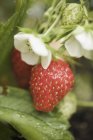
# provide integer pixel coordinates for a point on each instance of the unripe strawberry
(72, 14)
(49, 86)
(21, 69)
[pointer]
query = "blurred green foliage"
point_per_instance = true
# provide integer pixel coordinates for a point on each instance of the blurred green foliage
(35, 11)
(6, 9)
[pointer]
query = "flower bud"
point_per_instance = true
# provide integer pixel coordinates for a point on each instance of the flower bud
(73, 14)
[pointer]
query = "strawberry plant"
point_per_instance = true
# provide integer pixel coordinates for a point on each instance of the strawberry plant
(38, 70)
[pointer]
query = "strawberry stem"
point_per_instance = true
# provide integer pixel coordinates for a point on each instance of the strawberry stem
(18, 4)
(56, 11)
(85, 11)
(52, 26)
(85, 103)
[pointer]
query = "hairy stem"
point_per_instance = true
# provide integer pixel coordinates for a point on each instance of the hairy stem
(85, 10)
(52, 26)
(18, 4)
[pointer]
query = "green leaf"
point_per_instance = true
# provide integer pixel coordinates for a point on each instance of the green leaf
(17, 99)
(7, 32)
(25, 30)
(17, 109)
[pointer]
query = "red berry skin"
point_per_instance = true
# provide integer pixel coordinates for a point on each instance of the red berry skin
(21, 69)
(49, 86)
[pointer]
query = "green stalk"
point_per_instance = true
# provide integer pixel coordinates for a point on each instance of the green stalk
(18, 4)
(85, 10)
(52, 26)
(85, 103)
(53, 6)
(57, 7)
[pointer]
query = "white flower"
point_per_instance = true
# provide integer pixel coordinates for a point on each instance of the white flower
(32, 49)
(80, 43)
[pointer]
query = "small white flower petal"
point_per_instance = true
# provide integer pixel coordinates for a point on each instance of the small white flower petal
(88, 54)
(85, 39)
(21, 42)
(56, 44)
(78, 30)
(30, 58)
(73, 47)
(38, 46)
(45, 61)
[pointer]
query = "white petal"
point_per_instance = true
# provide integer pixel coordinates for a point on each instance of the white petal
(38, 46)
(85, 39)
(78, 30)
(45, 61)
(73, 47)
(30, 58)
(56, 44)
(88, 54)
(20, 42)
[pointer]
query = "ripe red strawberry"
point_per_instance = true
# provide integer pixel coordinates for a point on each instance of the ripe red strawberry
(49, 86)
(21, 69)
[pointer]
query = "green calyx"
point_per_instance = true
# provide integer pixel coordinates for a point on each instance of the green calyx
(73, 14)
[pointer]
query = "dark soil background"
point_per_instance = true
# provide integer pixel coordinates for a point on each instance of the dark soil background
(82, 124)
